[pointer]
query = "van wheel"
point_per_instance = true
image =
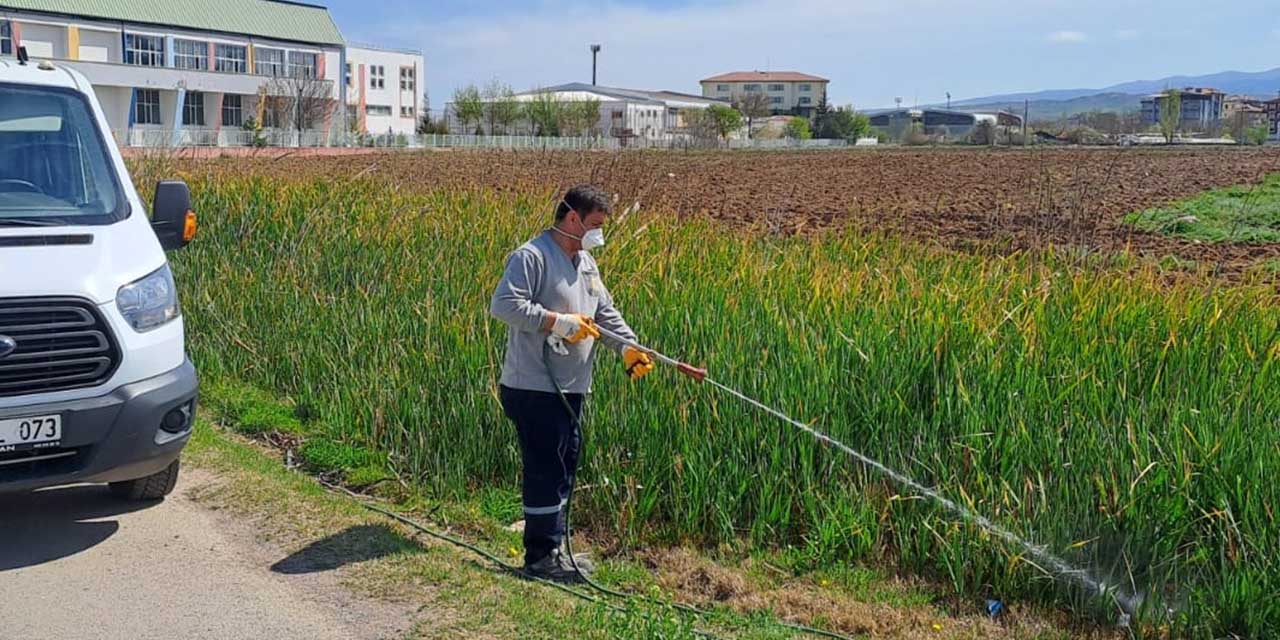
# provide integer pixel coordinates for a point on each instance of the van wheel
(152, 487)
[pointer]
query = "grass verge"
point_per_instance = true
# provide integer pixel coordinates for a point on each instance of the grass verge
(459, 594)
(1234, 214)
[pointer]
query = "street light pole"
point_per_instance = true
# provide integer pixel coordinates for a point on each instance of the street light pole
(595, 49)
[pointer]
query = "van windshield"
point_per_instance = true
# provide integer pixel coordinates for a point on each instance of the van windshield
(54, 166)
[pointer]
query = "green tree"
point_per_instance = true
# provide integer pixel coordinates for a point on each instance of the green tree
(1170, 114)
(723, 120)
(501, 109)
(798, 129)
(580, 117)
(468, 106)
(843, 124)
(545, 113)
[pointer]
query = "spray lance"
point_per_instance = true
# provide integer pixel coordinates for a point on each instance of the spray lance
(1042, 557)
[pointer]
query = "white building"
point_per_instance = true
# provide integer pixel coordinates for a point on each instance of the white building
(196, 71)
(384, 88)
(624, 113)
(789, 92)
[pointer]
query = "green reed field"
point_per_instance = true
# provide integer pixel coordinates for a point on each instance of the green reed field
(1129, 424)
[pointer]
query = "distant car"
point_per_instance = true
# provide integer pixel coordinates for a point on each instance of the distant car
(95, 384)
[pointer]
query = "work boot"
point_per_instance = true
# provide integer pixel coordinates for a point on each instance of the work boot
(583, 560)
(554, 567)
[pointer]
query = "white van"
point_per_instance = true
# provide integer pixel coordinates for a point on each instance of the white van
(95, 385)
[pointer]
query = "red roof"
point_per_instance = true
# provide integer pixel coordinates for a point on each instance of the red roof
(765, 76)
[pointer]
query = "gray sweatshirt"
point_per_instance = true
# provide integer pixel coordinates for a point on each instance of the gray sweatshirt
(541, 277)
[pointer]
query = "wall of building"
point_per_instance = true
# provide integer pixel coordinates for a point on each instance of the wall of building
(787, 94)
(390, 106)
(99, 46)
(44, 40)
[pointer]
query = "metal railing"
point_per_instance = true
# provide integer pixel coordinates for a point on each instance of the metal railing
(231, 138)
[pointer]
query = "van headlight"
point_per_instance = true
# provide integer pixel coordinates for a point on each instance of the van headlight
(150, 301)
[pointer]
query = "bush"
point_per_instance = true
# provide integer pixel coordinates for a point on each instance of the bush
(984, 133)
(798, 129)
(1256, 135)
(914, 135)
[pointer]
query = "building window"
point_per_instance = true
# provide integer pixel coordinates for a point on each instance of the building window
(147, 109)
(303, 65)
(751, 87)
(406, 112)
(143, 51)
(722, 88)
(268, 62)
(6, 37)
(230, 58)
(190, 54)
(777, 87)
(193, 109)
(377, 77)
(232, 110)
(775, 99)
(806, 100)
(347, 77)
(806, 87)
(406, 79)
(377, 109)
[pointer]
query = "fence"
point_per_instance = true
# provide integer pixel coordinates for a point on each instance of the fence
(227, 138)
(153, 138)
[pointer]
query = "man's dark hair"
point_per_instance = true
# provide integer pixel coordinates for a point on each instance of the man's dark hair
(585, 199)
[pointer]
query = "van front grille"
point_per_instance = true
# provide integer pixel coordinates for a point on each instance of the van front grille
(62, 343)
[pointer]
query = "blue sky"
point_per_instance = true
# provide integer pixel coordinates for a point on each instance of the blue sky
(871, 50)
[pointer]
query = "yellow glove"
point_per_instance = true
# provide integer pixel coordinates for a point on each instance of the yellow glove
(638, 363)
(574, 327)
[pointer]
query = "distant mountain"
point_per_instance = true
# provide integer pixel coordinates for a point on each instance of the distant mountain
(1054, 109)
(1261, 84)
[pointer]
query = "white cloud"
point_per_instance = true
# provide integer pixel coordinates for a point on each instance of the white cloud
(1127, 34)
(1068, 37)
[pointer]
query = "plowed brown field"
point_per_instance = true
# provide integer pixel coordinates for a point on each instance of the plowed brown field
(956, 197)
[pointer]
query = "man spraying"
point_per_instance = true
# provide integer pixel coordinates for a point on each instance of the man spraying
(551, 298)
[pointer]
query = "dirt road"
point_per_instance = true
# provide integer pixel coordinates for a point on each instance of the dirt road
(78, 563)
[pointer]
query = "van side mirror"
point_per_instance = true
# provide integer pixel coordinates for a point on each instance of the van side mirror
(171, 216)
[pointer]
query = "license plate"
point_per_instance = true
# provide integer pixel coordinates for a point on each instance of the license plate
(21, 433)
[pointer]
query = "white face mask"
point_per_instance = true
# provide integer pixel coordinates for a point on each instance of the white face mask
(592, 239)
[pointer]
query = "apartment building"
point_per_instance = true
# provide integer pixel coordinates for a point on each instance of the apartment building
(196, 71)
(384, 89)
(789, 92)
(1201, 107)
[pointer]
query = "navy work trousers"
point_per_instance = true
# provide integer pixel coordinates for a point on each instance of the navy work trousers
(549, 447)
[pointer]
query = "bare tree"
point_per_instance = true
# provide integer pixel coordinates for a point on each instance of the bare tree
(752, 105)
(300, 101)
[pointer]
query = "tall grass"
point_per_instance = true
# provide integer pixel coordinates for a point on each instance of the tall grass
(1127, 423)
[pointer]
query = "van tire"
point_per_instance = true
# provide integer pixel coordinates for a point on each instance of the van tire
(152, 487)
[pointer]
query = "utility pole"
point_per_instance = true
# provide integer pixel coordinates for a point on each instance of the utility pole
(595, 49)
(948, 101)
(1026, 113)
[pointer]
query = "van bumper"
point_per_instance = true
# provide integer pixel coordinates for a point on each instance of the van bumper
(110, 438)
